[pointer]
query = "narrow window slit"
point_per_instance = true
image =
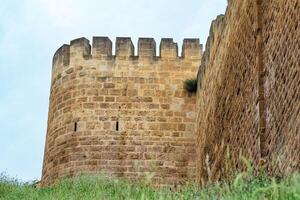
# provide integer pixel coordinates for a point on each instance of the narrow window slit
(75, 126)
(117, 126)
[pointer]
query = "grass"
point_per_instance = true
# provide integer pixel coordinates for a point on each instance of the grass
(99, 187)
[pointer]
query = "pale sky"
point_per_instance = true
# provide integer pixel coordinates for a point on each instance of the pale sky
(32, 30)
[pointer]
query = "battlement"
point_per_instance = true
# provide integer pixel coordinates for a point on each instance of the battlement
(109, 110)
(168, 48)
(215, 32)
(101, 49)
(129, 115)
(146, 48)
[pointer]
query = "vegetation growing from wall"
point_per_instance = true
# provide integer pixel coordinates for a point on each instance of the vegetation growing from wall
(133, 107)
(190, 85)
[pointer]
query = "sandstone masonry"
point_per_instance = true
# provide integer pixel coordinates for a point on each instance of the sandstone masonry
(123, 114)
(130, 116)
(248, 98)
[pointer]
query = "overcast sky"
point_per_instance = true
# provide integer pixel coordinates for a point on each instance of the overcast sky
(32, 30)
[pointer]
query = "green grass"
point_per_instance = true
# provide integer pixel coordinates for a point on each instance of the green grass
(99, 187)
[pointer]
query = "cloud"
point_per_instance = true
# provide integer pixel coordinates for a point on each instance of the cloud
(32, 30)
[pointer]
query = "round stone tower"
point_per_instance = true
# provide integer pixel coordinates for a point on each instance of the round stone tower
(122, 114)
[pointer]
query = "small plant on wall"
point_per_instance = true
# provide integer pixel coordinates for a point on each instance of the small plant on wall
(190, 85)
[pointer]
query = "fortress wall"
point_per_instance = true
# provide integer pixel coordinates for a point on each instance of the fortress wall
(248, 98)
(124, 114)
(133, 118)
(281, 58)
(227, 98)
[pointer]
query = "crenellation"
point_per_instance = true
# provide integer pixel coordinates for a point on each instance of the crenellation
(146, 48)
(131, 116)
(124, 48)
(61, 56)
(121, 104)
(61, 59)
(102, 48)
(243, 108)
(80, 49)
(168, 49)
(216, 27)
(215, 31)
(191, 49)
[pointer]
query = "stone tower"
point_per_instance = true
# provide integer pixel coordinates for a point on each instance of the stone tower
(123, 114)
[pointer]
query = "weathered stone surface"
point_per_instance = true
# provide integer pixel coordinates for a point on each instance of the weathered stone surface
(129, 115)
(248, 99)
(281, 59)
(116, 114)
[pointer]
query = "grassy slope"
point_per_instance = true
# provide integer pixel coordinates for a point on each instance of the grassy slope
(243, 187)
